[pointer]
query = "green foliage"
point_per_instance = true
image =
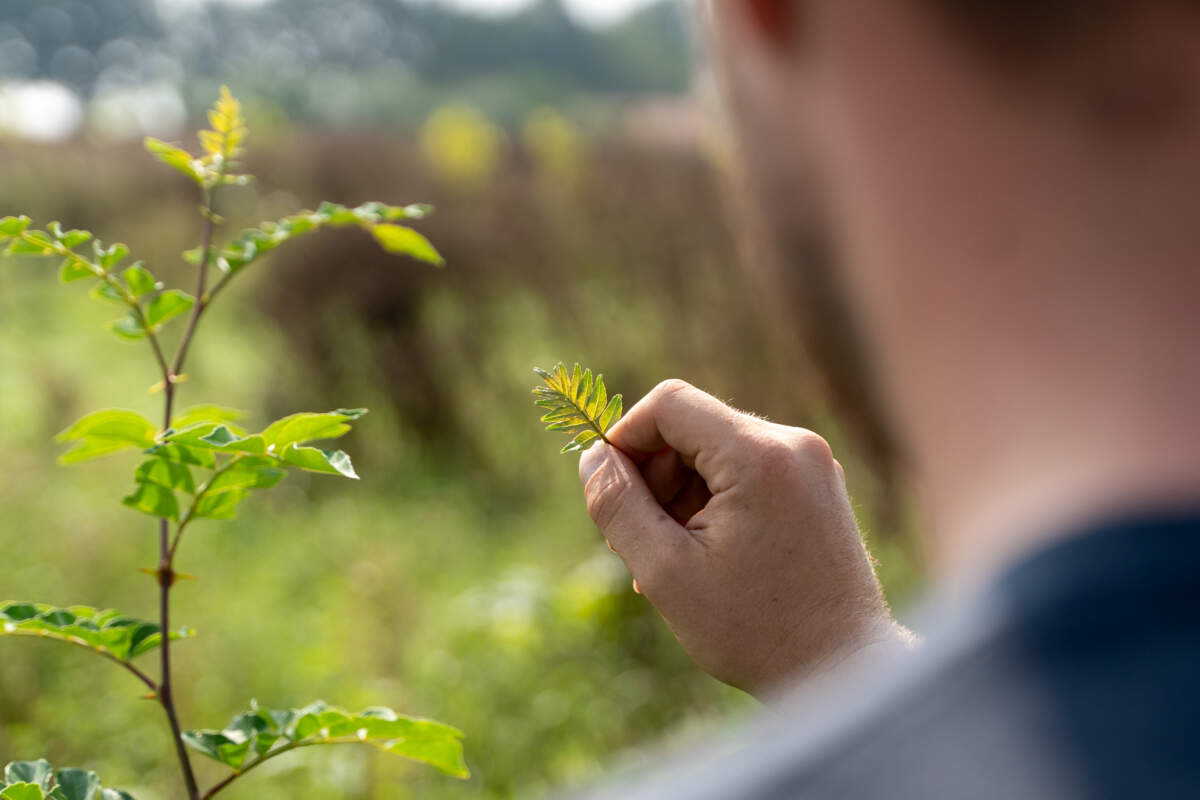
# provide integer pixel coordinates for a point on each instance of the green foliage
(377, 218)
(37, 780)
(260, 734)
(201, 464)
(577, 403)
(107, 632)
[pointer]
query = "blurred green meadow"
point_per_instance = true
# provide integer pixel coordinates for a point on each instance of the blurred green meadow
(461, 578)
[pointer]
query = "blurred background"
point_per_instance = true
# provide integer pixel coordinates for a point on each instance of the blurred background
(583, 215)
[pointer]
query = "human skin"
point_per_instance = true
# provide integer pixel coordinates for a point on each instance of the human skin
(1023, 273)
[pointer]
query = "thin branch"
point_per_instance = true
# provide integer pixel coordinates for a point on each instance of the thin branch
(166, 577)
(201, 281)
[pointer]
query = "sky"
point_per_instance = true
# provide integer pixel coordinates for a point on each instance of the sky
(592, 11)
(596, 12)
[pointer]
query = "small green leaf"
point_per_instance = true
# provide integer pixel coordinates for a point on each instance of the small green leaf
(168, 305)
(576, 403)
(210, 413)
(177, 159)
(112, 255)
(22, 791)
(167, 474)
(14, 226)
(128, 327)
(36, 772)
(106, 291)
(140, 280)
(33, 243)
(260, 734)
(107, 631)
(184, 454)
(328, 462)
(155, 500)
(307, 427)
(247, 473)
(111, 423)
(219, 506)
(75, 270)
(406, 241)
(77, 784)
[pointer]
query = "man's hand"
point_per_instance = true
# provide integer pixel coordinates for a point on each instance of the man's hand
(740, 532)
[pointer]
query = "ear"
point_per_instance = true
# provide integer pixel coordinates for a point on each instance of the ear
(772, 20)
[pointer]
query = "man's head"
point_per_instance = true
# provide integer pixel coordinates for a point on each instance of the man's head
(1009, 189)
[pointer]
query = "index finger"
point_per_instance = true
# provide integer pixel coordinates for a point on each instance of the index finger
(678, 416)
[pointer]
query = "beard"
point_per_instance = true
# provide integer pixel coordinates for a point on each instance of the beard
(793, 257)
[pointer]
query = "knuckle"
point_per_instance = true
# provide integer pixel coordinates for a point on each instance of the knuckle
(669, 387)
(815, 449)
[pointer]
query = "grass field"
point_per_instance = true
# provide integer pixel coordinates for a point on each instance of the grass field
(461, 578)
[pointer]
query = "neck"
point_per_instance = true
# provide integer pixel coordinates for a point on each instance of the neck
(1070, 390)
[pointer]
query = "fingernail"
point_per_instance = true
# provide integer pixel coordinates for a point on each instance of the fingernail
(636, 588)
(592, 459)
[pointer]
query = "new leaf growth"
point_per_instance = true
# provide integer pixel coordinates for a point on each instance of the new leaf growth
(577, 403)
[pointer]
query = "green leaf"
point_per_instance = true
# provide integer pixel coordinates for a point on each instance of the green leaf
(33, 243)
(218, 437)
(22, 791)
(111, 256)
(77, 784)
(177, 159)
(141, 282)
(260, 734)
(128, 327)
(199, 457)
(104, 432)
(14, 226)
(75, 270)
(218, 506)
(247, 473)
(578, 404)
(106, 291)
(107, 631)
(406, 241)
(168, 305)
(307, 427)
(195, 415)
(155, 500)
(36, 772)
(328, 462)
(167, 474)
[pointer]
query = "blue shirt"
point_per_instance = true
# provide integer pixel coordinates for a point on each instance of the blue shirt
(1075, 675)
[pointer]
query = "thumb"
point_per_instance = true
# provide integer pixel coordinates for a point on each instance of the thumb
(652, 544)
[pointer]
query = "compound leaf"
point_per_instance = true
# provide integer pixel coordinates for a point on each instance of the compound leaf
(260, 734)
(577, 403)
(104, 631)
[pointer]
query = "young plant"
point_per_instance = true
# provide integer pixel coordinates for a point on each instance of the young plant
(577, 403)
(200, 463)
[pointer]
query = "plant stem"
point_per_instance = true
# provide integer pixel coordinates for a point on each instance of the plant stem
(166, 548)
(166, 576)
(201, 282)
